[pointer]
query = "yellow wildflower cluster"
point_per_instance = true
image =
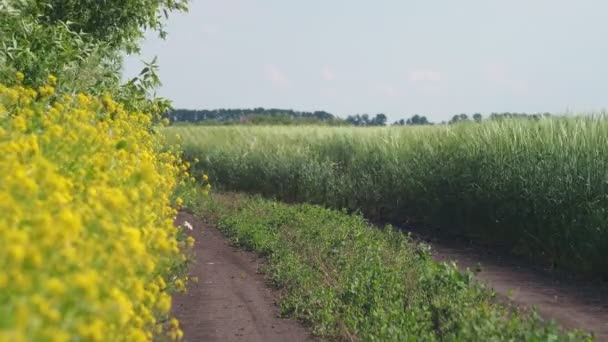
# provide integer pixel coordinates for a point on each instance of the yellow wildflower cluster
(87, 241)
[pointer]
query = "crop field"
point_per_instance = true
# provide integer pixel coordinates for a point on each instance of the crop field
(538, 187)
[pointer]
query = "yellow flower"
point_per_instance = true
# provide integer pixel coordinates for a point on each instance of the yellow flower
(83, 99)
(20, 76)
(52, 80)
(55, 286)
(87, 231)
(46, 90)
(190, 241)
(16, 253)
(19, 123)
(179, 285)
(164, 303)
(93, 331)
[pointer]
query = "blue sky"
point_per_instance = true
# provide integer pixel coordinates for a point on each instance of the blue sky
(431, 57)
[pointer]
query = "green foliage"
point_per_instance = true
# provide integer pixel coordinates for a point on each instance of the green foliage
(138, 92)
(536, 186)
(82, 44)
(352, 281)
(119, 23)
(38, 50)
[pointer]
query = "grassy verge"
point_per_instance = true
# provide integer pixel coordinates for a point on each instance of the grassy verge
(350, 281)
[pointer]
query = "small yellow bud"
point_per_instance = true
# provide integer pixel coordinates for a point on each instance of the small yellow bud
(190, 241)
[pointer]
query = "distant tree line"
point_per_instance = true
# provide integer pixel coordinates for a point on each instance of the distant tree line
(274, 116)
(252, 116)
(415, 120)
(418, 120)
(366, 120)
(477, 117)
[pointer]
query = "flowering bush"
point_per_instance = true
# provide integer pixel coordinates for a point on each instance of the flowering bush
(88, 248)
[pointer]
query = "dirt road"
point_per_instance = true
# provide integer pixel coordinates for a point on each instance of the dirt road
(570, 302)
(231, 301)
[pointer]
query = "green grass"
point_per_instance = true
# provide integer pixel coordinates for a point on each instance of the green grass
(350, 281)
(537, 187)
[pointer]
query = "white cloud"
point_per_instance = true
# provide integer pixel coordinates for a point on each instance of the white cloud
(275, 75)
(327, 74)
(425, 75)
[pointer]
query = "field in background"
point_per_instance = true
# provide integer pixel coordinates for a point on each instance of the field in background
(538, 187)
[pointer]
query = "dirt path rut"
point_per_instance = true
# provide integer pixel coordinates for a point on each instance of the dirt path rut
(231, 301)
(570, 302)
